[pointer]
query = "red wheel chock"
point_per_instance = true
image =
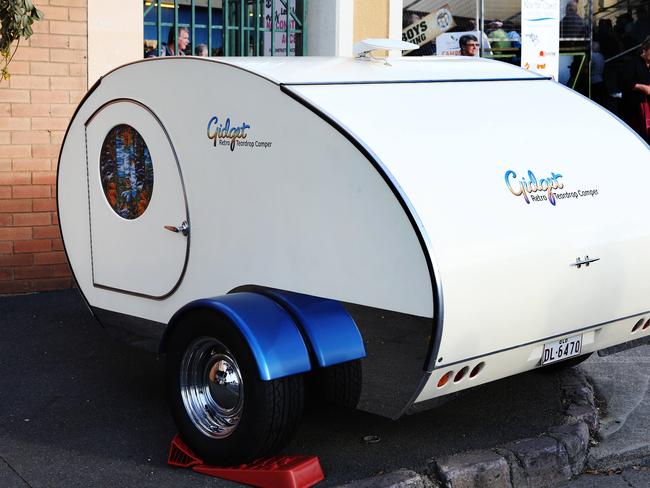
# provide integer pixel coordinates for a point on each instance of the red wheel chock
(274, 472)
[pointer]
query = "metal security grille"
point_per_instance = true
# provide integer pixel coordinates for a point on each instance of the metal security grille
(229, 27)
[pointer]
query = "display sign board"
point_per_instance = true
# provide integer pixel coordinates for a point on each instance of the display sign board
(428, 28)
(278, 16)
(540, 36)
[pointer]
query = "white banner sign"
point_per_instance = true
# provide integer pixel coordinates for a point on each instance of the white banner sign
(279, 17)
(540, 36)
(428, 28)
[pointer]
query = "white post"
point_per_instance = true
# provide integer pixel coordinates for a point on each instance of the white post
(330, 27)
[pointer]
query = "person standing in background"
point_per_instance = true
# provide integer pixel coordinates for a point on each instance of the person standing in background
(468, 45)
(636, 92)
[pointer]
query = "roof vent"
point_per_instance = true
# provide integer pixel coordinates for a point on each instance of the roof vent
(363, 49)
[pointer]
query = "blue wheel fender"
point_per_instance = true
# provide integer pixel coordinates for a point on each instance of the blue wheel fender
(271, 333)
(332, 334)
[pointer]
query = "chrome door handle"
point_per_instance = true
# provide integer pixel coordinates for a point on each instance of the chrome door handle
(584, 262)
(183, 229)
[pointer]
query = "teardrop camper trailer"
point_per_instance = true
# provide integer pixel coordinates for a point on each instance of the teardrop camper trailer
(400, 231)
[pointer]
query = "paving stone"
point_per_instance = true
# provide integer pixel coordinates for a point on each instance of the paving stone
(476, 469)
(517, 474)
(402, 478)
(544, 460)
(575, 440)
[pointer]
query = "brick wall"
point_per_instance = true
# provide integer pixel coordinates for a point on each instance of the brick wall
(48, 79)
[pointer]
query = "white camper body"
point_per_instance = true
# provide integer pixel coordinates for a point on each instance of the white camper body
(495, 218)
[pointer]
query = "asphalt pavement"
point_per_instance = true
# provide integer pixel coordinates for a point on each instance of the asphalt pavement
(81, 409)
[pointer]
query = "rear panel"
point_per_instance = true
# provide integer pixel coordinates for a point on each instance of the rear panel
(462, 152)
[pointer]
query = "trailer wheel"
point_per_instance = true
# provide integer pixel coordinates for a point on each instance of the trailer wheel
(339, 385)
(223, 410)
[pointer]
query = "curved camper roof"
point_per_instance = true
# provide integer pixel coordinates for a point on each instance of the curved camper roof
(325, 70)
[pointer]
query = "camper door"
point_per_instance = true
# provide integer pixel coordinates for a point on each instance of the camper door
(137, 205)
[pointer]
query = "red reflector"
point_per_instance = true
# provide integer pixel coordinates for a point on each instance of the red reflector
(444, 379)
(274, 472)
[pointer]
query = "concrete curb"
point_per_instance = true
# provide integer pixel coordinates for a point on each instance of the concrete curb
(541, 461)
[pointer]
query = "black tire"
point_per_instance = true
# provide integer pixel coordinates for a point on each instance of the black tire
(269, 411)
(563, 365)
(339, 385)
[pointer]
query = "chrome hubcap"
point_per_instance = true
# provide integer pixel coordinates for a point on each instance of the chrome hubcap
(211, 387)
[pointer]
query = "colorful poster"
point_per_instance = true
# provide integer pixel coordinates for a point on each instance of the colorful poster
(278, 14)
(428, 28)
(540, 36)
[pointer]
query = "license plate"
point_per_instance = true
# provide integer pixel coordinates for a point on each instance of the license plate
(562, 349)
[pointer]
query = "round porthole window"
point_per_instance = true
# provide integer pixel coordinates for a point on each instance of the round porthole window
(126, 171)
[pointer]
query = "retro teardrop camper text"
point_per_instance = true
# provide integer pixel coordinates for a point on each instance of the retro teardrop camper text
(528, 187)
(225, 134)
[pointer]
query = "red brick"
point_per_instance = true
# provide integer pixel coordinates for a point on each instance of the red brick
(30, 137)
(16, 96)
(6, 274)
(14, 123)
(42, 27)
(49, 40)
(40, 245)
(32, 54)
(13, 233)
(44, 205)
(30, 81)
(30, 272)
(7, 247)
(15, 151)
(44, 178)
(5, 192)
(30, 110)
(15, 178)
(5, 110)
(68, 83)
(33, 164)
(5, 164)
(52, 284)
(13, 287)
(13, 206)
(69, 3)
(76, 96)
(78, 14)
(32, 219)
(49, 232)
(19, 68)
(50, 97)
(78, 69)
(54, 13)
(14, 260)
(5, 137)
(6, 220)
(78, 42)
(56, 136)
(57, 257)
(33, 191)
(63, 110)
(51, 69)
(48, 123)
(62, 55)
(69, 28)
(57, 245)
(49, 151)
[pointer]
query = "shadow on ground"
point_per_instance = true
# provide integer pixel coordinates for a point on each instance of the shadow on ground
(80, 409)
